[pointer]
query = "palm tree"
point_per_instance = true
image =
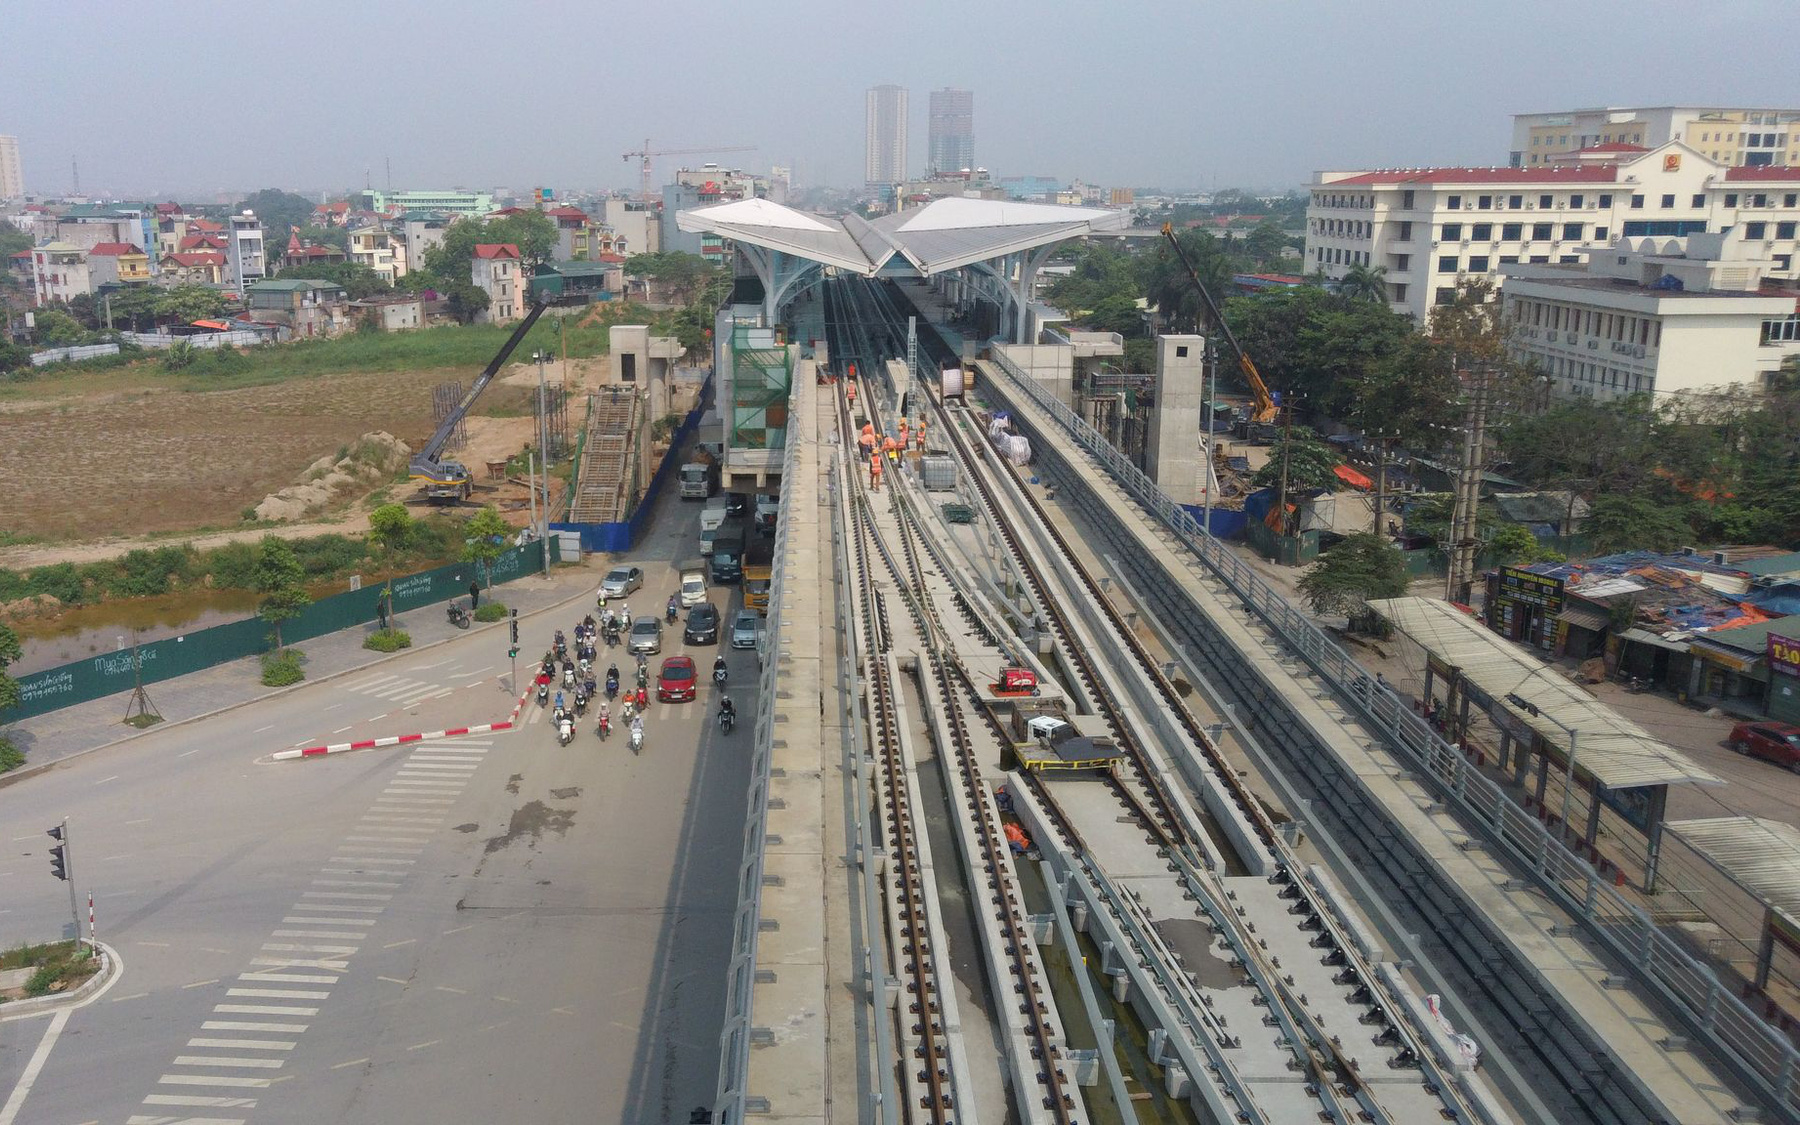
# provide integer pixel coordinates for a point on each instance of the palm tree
(1364, 283)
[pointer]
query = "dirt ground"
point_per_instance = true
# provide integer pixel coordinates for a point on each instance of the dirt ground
(94, 470)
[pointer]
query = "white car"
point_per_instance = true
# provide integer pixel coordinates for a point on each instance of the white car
(693, 587)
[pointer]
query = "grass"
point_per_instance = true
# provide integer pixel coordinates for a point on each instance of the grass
(490, 611)
(388, 640)
(60, 965)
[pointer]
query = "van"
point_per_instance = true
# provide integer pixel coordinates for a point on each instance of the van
(713, 514)
(767, 509)
(693, 585)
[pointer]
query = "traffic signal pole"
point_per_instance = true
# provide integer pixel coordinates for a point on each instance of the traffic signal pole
(62, 865)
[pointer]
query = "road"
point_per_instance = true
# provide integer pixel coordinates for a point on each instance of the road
(495, 928)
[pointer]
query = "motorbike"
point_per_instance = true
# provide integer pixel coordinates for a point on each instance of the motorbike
(543, 692)
(637, 739)
(565, 730)
(612, 634)
(726, 719)
(568, 675)
(458, 616)
(672, 612)
(629, 711)
(581, 702)
(612, 685)
(719, 671)
(605, 726)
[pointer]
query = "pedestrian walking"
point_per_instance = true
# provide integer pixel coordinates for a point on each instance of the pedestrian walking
(474, 595)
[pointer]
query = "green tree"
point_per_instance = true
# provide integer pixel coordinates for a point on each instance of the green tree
(465, 300)
(280, 212)
(14, 357)
(1310, 464)
(1346, 578)
(13, 240)
(337, 237)
(1410, 395)
(486, 536)
(1364, 283)
(142, 308)
(1265, 243)
(1315, 344)
(1514, 543)
(681, 275)
(391, 528)
(10, 650)
(57, 329)
(1164, 280)
(532, 232)
(281, 581)
(1633, 521)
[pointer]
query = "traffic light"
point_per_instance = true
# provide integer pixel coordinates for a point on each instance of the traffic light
(515, 627)
(513, 653)
(58, 866)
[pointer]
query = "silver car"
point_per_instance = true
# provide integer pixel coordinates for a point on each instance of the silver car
(746, 627)
(646, 636)
(621, 580)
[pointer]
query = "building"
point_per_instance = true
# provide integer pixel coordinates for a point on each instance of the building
(636, 223)
(397, 312)
(703, 187)
(1733, 137)
(308, 307)
(452, 202)
(118, 263)
(59, 271)
(191, 267)
(89, 224)
(1429, 227)
(300, 255)
(950, 132)
(884, 138)
(1655, 316)
(569, 282)
(495, 270)
(12, 174)
(422, 230)
(1030, 187)
(375, 248)
(244, 256)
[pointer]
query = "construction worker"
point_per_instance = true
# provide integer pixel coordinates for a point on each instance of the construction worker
(850, 387)
(903, 431)
(890, 447)
(875, 472)
(866, 439)
(919, 433)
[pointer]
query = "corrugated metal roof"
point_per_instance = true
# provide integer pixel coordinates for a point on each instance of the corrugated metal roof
(1762, 856)
(1617, 753)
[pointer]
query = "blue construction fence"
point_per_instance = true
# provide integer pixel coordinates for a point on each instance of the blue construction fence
(618, 537)
(99, 676)
(1226, 523)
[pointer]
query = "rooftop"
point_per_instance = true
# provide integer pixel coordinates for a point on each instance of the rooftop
(1542, 174)
(292, 285)
(113, 249)
(1771, 172)
(496, 250)
(1754, 637)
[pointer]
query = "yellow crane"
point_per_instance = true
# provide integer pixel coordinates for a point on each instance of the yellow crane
(646, 154)
(1263, 409)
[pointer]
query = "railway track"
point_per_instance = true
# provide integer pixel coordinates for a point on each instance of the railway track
(1142, 791)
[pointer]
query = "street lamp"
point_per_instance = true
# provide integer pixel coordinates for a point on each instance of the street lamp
(1569, 783)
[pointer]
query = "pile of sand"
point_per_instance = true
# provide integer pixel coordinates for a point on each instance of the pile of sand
(375, 457)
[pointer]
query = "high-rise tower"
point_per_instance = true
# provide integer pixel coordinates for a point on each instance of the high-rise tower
(952, 132)
(884, 145)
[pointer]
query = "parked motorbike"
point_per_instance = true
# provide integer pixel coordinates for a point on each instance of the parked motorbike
(458, 616)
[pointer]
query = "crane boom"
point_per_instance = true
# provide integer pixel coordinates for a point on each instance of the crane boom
(1264, 409)
(646, 153)
(448, 479)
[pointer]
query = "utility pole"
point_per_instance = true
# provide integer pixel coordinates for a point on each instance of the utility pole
(1463, 541)
(1287, 442)
(1212, 429)
(1382, 441)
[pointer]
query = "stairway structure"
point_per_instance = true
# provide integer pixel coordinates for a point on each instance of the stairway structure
(605, 487)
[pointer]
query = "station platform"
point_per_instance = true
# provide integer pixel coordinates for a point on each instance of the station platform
(1685, 1084)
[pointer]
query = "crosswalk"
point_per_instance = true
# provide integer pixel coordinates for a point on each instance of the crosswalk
(399, 690)
(266, 1009)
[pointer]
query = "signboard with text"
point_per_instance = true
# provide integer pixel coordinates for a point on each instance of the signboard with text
(1532, 589)
(1784, 655)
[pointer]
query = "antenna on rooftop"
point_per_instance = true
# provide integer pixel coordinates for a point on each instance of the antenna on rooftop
(75, 167)
(390, 172)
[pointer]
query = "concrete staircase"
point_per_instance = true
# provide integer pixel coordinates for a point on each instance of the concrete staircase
(603, 490)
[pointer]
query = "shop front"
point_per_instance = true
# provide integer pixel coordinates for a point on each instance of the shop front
(1784, 678)
(1523, 606)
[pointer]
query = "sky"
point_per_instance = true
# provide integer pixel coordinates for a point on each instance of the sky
(187, 99)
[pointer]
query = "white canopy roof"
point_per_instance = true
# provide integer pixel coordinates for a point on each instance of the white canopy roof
(943, 235)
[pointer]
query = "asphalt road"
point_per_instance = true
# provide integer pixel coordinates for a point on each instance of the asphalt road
(494, 928)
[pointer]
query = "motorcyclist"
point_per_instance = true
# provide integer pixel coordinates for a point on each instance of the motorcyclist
(674, 608)
(719, 668)
(629, 708)
(605, 718)
(637, 727)
(727, 707)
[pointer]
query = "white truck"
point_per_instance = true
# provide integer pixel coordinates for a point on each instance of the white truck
(713, 514)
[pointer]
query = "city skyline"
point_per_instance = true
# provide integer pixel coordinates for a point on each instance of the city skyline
(1119, 118)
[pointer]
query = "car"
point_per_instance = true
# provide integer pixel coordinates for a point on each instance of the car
(702, 625)
(737, 503)
(621, 580)
(693, 584)
(1774, 742)
(746, 629)
(646, 636)
(677, 681)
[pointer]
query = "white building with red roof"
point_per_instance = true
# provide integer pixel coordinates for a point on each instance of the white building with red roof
(1427, 228)
(495, 268)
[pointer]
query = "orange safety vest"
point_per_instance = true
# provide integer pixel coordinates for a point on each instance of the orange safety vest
(889, 445)
(875, 464)
(851, 391)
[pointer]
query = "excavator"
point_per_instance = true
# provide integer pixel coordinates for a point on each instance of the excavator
(450, 482)
(1263, 409)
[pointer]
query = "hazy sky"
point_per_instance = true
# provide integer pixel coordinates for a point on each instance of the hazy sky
(191, 97)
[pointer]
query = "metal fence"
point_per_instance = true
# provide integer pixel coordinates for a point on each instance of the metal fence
(99, 676)
(740, 988)
(72, 354)
(1760, 1053)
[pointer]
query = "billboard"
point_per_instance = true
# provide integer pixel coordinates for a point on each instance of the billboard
(1784, 655)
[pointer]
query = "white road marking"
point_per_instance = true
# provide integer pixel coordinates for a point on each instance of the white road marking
(363, 845)
(247, 1044)
(350, 907)
(387, 818)
(9, 1113)
(302, 963)
(405, 799)
(110, 858)
(352, 1062)
(27, 836)
(476, 672)
(104, 780)
(212, 1080)
(398, 944)
(280, 993)
(263, 1010)
(416, 764)
(361, 685)
(240, 1025)
(289, 947)
(344, 894)
(210, 949)
(291, 978)
(427, 667)
(197, 749)
(458, 991)
(508, 1000)
(422, 1046)
(341, 730)
(225, 1060)
(157, 944)
(369, 859)
(315, 920)
(201, 983)
(394, 691)
(199, 1099)
(400, 832)
(459, 929)
(353, 883)
(259, 730)
(391, 980)
(537, 716)
(438, 694)
(133, 996)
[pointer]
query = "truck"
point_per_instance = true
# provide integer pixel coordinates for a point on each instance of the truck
(759, 572)
(699, 477)
(450, 482)
(715, 513)
(727, 558)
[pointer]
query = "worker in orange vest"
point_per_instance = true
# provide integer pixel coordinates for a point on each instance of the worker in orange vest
(903, 429)
(890, 447)
(850, 387)
(919, 433)
(875, 471)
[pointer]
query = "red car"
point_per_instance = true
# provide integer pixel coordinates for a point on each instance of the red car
(1777, 742)
(675, 683)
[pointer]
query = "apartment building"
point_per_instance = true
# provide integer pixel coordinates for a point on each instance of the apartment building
(495, 268)
(59, 271)
(12, 174)
(884, 135)
(380, 251)
(1736, 137)
(244, 255)
(1649, 316)
(1429, 227)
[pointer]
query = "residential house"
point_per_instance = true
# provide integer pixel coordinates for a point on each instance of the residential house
(19, 267)
(495, 269)
(636, 224)
(308, 307)
(375, 248)
(421, 231)
(192, 267)
(299, 255)
(59, 271)
(396, 313)
(564, 282)
(199, 242)
(118, 263)
(333, 214)
(89, 224)
(244, 251)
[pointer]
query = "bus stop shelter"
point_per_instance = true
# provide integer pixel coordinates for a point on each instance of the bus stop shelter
(1545, 719)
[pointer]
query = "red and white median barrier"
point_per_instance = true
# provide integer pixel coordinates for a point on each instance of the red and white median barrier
(397, 740)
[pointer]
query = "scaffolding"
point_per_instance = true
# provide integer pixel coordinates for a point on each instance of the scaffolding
(762, 374)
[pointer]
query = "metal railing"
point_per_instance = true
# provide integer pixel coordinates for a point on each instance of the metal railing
(735, 1038)
(1760, 1053)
